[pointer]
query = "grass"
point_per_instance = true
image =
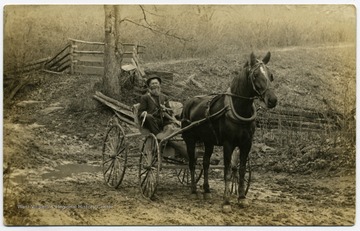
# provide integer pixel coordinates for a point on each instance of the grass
(31, 33)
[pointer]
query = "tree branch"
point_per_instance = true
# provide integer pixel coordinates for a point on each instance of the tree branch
(149, 27)
(144, 14)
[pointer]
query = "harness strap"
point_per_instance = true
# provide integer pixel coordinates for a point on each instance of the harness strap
(192, 124)
(238, 96)
(231, 113)
(207, 116)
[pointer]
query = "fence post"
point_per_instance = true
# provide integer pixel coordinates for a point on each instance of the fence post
(72, 47)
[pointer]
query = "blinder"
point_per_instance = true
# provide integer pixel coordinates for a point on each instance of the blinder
(252, 77)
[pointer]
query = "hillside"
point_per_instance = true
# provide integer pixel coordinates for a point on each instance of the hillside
(54, 129)
(33, 32)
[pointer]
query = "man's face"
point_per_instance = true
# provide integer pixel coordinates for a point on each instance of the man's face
(154, 84)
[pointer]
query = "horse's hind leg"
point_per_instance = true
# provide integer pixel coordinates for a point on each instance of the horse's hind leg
(190, 145)
(244, 153)
(209, 148)
(235, 160)
(228, 149)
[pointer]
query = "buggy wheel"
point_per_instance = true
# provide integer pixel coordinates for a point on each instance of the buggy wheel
(184, 175)
(114, 156)
(235, 178)
(149, 166)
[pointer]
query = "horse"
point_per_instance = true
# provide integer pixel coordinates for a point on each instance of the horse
(229, 121)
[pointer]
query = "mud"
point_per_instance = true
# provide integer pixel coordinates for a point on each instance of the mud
(52, 158)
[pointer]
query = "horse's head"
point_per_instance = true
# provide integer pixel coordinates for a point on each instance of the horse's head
(260, 77)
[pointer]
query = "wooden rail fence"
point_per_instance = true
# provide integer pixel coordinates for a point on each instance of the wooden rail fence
(28, 67)
(299, 120)
(292, 119)
(86, 57)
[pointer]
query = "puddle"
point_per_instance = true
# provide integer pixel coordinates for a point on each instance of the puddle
(61, 171)
(69, 169)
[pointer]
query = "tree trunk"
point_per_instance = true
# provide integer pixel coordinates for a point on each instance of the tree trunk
(112, 56)
(119, 50)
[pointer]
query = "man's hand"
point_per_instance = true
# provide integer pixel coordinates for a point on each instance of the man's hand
(163, 108)
(143, 114)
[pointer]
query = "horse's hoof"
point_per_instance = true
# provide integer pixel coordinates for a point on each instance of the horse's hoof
(243, 203)
(194, 196)
(226, 209)
(207, 196)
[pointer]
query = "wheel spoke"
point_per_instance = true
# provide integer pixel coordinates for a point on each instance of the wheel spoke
(119, 156)
(111, 171)
(145, 178)
(120, 150)
(112, 141)
(141, 174)
(108, 147)
(184, 175)
(107, 160)
(110, 166)
(120, 144)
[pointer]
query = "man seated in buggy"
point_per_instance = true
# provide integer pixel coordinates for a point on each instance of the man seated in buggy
(156, 115)
(154, 111)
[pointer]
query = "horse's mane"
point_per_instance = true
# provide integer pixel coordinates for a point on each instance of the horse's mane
(239, 80)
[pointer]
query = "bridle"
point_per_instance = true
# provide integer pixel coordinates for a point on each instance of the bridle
(251, 78)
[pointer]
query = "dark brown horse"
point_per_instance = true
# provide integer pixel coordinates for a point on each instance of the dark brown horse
(230, 123)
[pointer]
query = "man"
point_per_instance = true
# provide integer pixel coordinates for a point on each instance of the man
(154, 107)
(155, 111)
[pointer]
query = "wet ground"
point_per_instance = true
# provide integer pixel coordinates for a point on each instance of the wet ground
(53, 136)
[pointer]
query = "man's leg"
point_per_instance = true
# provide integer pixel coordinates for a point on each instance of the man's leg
(152, 124)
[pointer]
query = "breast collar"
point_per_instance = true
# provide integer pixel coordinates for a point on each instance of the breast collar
(231, 113)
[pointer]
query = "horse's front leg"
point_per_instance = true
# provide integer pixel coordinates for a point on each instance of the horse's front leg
(244, 154)
(190, 145)
(209, 148)
(228, 149)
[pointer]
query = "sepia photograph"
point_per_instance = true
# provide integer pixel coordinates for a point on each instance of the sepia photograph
(179, 115)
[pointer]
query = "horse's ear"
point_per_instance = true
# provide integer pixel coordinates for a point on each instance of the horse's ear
(246, 64)
(266, 59)
(252, 59)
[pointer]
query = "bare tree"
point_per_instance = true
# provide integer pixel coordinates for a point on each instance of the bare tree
(112, 56)
(113, 48)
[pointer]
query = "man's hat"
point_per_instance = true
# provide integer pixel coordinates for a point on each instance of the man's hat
(151, 78)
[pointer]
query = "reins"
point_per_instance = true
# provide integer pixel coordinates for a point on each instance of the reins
(229, 109)
(239, 96)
